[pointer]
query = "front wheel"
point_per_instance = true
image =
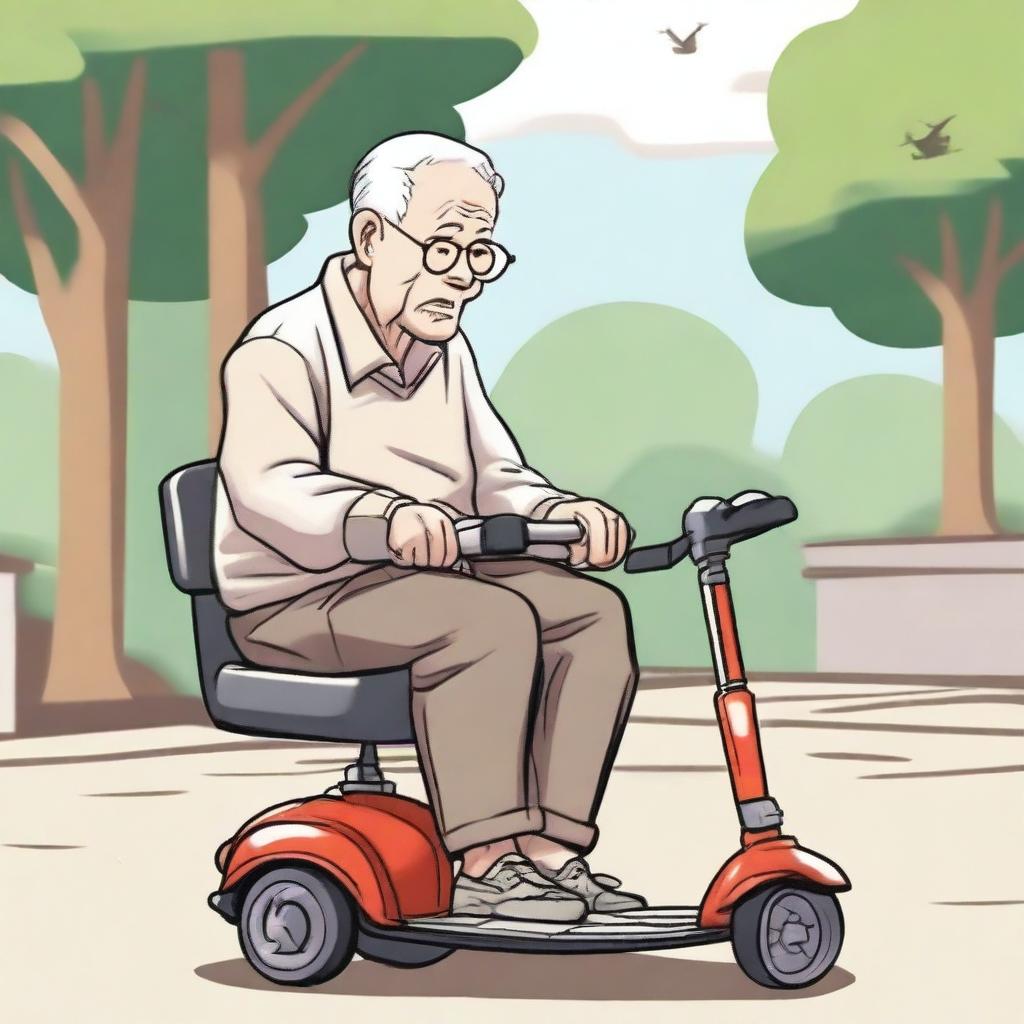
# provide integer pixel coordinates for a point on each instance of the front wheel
(787, 937)
(297, 926)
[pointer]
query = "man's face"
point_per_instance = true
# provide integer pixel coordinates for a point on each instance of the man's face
(449, 201)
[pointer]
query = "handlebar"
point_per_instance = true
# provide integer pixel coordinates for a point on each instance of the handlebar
(712, 525)
(516, 535)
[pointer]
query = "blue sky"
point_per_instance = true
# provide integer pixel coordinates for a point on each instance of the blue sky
(593, 222)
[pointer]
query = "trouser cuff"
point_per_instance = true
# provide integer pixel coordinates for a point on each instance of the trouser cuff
(493, 830)
(569, 832)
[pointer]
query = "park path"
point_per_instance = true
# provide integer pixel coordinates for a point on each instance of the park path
(106, 844)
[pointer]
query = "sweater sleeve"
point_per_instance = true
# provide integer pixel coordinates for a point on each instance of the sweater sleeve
(271, 463)
(504, 483)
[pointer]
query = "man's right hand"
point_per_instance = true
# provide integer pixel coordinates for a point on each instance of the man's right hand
(422, 536)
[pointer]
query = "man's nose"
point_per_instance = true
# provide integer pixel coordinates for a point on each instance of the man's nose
(460, 276)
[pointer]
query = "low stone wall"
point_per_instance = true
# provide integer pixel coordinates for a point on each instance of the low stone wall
(941, 606)
(10, 570)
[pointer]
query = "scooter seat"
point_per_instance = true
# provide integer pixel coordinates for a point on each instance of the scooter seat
(373, 707)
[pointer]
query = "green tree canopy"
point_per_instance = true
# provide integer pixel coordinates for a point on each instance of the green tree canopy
(597, 389)
(909, 247)
(863, 456)
(420, 61)
(648, 408)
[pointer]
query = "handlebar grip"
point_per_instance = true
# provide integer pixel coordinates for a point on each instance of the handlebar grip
(504, 535)
(759, 516)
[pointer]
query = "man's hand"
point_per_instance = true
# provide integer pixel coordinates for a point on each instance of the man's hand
(422, 536)
(605, 536)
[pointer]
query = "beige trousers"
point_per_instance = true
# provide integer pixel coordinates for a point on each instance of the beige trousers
(522, 671)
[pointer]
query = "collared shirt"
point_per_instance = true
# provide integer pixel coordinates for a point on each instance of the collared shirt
(324, 436)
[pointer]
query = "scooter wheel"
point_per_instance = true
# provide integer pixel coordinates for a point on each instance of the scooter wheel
(297, 926)
(786, 937)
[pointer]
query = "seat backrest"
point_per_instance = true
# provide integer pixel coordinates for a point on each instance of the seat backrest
(186, 500)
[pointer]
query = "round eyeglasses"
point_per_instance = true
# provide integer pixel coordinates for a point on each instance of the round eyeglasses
(487, 260)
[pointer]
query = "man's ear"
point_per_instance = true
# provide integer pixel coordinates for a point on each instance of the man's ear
(365, 230)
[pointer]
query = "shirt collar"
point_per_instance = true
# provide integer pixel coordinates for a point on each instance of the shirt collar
(361, 352)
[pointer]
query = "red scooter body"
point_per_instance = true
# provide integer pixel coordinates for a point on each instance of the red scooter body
(384, 850)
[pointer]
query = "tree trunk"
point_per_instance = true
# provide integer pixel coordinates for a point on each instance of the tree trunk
(235, 247)
(236, 166)
(968, 363)
(87, 317)
(968, 318)
(85, 661)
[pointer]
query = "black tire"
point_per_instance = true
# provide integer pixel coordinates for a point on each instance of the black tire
(297, 926)
(787, 937)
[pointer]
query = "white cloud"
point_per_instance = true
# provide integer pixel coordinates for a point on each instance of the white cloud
(606, 59)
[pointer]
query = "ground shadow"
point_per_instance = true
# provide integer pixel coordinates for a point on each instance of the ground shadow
(837, 755)
(925, 702)
(949, 773)
(633, 977)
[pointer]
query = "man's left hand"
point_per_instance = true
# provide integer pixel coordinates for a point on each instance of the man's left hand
(605, 532)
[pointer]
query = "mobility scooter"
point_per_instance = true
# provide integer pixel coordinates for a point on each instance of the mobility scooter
(360, 869)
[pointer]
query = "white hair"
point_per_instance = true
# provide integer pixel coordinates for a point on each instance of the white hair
(382, 181)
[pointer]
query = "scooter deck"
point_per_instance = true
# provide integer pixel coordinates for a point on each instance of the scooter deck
(652, 928)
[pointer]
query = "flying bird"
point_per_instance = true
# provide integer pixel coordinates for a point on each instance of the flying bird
(687, 45)
(932, 144)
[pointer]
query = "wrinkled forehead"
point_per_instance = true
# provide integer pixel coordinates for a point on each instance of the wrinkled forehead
(450, 193)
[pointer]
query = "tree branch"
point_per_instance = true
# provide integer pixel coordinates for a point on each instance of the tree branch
(52, 171)
(950, 250)
(40, 258)
(126, 138)
(94, 136)
(937, 290)
(988, 265)
(1011, 259)
(265, 148)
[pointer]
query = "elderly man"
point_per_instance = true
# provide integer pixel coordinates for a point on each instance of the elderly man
(357, 432)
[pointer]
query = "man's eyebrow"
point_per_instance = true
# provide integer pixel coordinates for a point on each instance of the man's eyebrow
(486, 227)
(449, 224)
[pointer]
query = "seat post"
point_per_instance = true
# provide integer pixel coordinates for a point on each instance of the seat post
(364, 775)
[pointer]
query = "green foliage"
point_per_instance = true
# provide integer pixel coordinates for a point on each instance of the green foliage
(28, 455)
(592, 392)
(774, 604)
(166, 428)
(842, 200)
(43, 41)
(867, 456)
(597, 404)
(397, 85)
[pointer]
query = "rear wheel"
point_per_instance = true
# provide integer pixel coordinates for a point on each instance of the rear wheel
(297, 926)
(787, 937)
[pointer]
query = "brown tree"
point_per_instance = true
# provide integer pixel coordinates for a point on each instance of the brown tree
(86, 313)
(236, 167)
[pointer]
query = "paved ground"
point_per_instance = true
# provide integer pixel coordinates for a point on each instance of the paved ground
(106, 843)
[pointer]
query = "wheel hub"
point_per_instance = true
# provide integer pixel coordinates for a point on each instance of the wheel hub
(793, 933)
(287, 926)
